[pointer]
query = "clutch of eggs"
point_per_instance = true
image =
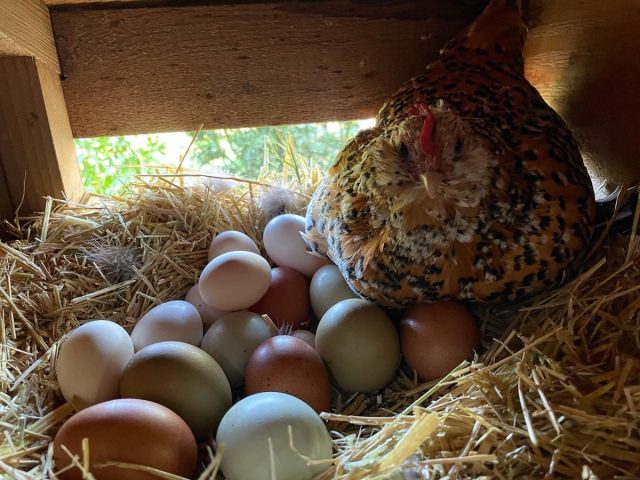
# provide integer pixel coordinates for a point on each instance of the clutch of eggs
(356, 347)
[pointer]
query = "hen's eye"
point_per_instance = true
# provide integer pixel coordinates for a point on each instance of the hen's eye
(458, 147)
(404, 150)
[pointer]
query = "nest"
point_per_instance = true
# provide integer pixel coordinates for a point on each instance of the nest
(554, 392)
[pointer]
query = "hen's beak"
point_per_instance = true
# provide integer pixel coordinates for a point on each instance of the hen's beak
(431, 182)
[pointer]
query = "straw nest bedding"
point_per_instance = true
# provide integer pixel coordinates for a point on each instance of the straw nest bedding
(554, 393)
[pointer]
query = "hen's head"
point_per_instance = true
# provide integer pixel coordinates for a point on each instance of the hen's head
(431, 157)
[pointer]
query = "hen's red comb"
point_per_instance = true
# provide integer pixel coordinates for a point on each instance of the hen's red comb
(426, 135)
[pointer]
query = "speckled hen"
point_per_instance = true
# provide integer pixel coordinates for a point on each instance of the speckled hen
(468, 187)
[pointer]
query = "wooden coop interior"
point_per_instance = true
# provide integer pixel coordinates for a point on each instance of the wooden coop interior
(81, 68)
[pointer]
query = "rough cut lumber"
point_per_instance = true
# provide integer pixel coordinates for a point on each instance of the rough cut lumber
(37, 153)
(25, 29)
(131, 70)
(583, 57)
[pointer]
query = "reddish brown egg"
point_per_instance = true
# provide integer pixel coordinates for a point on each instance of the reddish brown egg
(129, 431)
(435, 338)
(287, 301)
(289, 365)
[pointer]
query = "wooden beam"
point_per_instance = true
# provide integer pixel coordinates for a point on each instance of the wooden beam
(25, 29)
(37, 152)
(130, 70)
(582, 55)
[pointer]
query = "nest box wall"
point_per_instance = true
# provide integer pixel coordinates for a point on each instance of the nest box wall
(132, 66)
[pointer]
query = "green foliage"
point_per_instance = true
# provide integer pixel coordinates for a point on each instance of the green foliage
(109, 163)
(245, 151)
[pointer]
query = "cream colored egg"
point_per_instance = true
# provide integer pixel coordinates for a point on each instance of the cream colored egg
(175, 320)
(232, 340)
(208, 314)
(257, 434)
(306, 336)
(327, 288)
(91, 360)
(284, 244)
(231, 241)
(359, 344)
(234, 281)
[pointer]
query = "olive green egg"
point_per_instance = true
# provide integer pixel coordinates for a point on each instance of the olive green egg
(183, 378)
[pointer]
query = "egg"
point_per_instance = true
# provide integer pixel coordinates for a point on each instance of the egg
(232, 340)
(174, 320)
(306, 336)
(287, 300)
(208, 314)
(327, 288)
(231, 241)
(359, 344)
(129, 431)
(437, 337)
(257, 434)
(183, 378)
(285, 246)
(289, 365)
(234, 281)
(92, 357)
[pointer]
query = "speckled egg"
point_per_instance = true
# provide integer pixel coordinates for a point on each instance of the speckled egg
(289, 365)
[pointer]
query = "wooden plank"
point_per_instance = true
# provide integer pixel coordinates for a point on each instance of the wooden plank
(583, 57)
(84, 3)
(37, 152)
(131, 70)
(25, 29)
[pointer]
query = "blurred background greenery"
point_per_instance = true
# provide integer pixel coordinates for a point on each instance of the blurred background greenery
(108, 164)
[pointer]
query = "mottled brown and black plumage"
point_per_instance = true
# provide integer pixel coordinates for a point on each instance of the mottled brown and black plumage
(469, 186)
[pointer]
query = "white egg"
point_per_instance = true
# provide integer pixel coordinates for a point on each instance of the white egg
(208, 314)
(285, 246)
(176, 320)
(231, 241)
(256, 440)
(232, 340)
(234, 281)
(91, 360)
(327, 288)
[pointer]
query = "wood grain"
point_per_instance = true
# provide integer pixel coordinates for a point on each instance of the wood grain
(37, 153)
(583, 57)
(162, 69)
(25, 29)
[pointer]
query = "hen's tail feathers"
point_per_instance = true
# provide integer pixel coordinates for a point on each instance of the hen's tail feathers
(500, 31)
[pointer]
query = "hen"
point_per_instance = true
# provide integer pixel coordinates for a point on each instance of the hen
(469, 186)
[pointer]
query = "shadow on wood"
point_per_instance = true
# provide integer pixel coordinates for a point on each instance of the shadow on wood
(583, 57)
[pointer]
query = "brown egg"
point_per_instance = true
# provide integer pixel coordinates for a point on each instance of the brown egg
(289, 365)
(287, 300)
(129, 431)
(435, 338)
